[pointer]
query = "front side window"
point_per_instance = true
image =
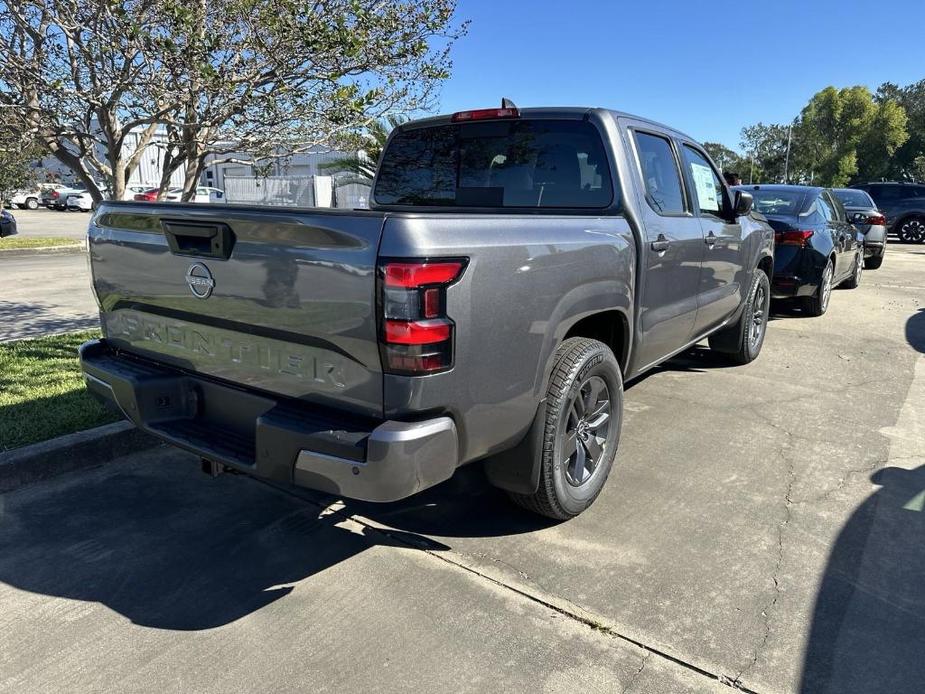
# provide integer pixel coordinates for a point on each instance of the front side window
(660, 173)
(517, 163)
(708, 189)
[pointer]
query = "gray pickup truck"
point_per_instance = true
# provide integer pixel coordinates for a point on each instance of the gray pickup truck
(515, 268)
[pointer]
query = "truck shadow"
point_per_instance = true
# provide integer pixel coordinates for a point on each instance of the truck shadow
(868, 625)
(168, 547)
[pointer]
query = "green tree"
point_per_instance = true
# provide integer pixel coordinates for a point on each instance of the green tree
(843, 132)
(766, 149)
(216, 77)
(727, 159)
(17, 161)
(906, 162)
(368, 144)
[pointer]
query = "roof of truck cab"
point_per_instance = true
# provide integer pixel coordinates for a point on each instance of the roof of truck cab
(548, 111)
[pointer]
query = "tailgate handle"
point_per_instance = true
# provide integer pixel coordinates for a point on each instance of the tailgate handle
(203, 240)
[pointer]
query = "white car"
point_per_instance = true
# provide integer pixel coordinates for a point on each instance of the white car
(81, 200)
(27, 199)
(203, 194)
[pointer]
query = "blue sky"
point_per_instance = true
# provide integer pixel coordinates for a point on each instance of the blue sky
(707, 68)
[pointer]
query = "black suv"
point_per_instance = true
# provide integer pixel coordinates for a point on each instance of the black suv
(903, 205)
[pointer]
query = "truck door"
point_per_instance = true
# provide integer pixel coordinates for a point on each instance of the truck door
(673, 252)
(723, 276)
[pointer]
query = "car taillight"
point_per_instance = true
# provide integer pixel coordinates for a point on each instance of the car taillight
(416, 333)
(876, 219)
(792, 238)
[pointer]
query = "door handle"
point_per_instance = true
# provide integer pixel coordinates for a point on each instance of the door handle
(660, 245)
(710, 239)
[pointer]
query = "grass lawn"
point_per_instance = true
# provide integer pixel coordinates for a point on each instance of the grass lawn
(42, 392)
(15, 242)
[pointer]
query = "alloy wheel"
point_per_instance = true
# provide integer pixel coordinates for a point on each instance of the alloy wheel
(760, 307)
(826, 286)
(913, 231)
(587, 424)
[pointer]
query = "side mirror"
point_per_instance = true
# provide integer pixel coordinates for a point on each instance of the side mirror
(743, 203)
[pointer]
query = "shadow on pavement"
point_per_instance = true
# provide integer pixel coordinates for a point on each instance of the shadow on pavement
(167, 547)
(18, 320)
(868, 628)
(915, 330)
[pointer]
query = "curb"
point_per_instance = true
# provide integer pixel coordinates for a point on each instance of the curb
(78, 451)
(42, 250)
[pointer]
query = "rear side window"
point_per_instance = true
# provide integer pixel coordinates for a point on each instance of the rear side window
(504, 163)
(886, 193)
(660, 172)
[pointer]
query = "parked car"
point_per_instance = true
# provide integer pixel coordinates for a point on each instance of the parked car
(81, 201)
(816, 248)
(204, 194)
(903, 205)
(55, 198)
(26, 199)
(491, 303)
(863, 213)
(7, 223)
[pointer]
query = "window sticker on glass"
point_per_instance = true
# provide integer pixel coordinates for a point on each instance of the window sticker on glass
(706, 189)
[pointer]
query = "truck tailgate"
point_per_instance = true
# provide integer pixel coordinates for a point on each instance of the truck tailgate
(277, 300)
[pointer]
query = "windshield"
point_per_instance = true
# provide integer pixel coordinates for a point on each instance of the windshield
(778, 202)
(854, 198)
(504, 163)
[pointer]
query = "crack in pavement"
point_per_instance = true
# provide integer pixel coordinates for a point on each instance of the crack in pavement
(642, 666)
(766, 612)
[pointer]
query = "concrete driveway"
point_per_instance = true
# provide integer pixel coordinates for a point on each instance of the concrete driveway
(44, 293)
(763, 528)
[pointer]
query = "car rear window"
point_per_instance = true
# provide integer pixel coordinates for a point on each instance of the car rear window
(854, 198)
(778, 202)
(505, 163)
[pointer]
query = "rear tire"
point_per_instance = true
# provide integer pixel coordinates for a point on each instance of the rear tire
(584, 413)
(854, 281)
(32, 204)
(874, 262)
(818, 303)
(742, 342)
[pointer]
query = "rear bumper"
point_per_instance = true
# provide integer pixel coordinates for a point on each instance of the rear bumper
(792, 286)
(275, 438)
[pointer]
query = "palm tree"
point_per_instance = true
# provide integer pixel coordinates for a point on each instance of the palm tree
(362, 165)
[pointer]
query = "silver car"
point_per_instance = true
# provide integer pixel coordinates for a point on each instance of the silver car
(863, 213)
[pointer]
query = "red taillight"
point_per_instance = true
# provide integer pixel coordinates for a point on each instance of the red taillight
(485, 114)
(792, 238)
(876, 220)
(417, 335)
(416, 332)
(55, 195)
(411, 275)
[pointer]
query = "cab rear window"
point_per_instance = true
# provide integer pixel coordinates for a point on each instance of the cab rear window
(502, 164)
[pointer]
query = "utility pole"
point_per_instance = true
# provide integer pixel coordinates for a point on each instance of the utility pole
(787, 158)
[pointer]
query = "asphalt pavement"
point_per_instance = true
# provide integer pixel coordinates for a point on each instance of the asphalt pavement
(762, 529)
(43, 293)
(42, 222)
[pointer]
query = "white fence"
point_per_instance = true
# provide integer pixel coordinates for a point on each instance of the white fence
(296, 191)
